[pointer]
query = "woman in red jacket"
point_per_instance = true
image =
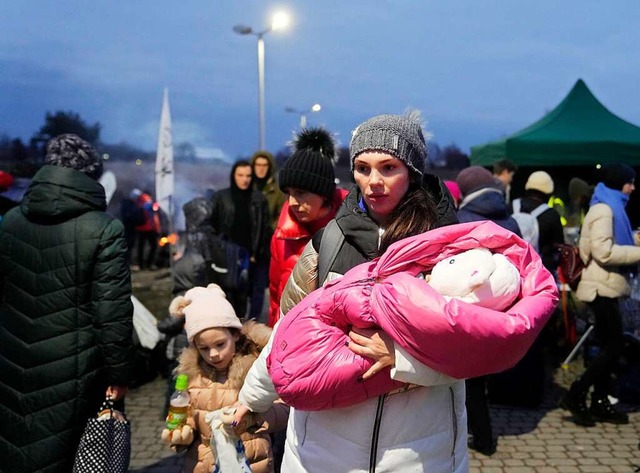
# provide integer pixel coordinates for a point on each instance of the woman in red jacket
(308, 179)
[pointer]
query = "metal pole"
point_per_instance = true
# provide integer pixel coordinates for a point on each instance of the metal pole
(303, 120)
(261, 119)
(565, 363)
(171, 230)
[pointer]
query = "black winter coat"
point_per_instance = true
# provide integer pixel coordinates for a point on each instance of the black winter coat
(222, 219)
(65, 318)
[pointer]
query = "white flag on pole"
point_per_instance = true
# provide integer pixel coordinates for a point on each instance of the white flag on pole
(108, 181)
(164, 160)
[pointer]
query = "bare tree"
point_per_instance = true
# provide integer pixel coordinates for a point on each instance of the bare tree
(61, 122)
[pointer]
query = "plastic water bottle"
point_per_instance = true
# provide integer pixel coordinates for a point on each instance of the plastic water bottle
(178, 403)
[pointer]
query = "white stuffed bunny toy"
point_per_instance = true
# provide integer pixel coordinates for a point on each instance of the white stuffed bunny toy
(477, 276)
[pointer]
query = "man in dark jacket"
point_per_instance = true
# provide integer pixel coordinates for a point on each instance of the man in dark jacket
(240, 215)
(263, 166)
(65, 312)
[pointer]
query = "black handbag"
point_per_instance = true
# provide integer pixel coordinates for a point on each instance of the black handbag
(105, 445)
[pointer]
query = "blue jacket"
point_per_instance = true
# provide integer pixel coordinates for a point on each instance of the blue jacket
(488, 204)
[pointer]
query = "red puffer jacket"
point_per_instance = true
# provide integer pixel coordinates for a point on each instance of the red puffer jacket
(287, 244)
(151, 219)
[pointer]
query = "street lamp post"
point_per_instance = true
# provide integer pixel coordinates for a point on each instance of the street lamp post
(279, 21)
(303, 113)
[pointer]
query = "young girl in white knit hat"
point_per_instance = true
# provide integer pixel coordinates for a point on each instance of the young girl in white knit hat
(221, 350)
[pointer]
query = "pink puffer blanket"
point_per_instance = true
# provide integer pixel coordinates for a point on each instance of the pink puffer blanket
(312, 367)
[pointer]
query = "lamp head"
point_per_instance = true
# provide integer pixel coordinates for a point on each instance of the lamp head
(242, 29)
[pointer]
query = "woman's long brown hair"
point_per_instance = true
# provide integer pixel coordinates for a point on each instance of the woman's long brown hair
(415, 214)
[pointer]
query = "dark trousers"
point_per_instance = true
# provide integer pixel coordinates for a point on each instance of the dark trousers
(608, 330)
(238, 299)
(478, 417)
(144, 238)
(130, 237)
(258, 281)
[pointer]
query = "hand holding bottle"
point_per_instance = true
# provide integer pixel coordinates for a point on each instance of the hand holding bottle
(179, 436)
(178, 432)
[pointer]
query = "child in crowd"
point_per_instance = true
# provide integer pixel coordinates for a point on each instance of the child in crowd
(221, 350)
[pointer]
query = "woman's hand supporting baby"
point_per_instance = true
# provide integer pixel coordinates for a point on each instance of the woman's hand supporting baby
(374, 344)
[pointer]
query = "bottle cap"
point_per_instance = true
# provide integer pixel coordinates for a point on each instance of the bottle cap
(182, 382)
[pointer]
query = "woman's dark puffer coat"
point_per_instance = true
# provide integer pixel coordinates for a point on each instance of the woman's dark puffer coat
(65, 318)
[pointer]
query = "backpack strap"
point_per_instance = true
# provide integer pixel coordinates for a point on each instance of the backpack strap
(330, 244)
(539, 210)
(516, 206)
(535, 212)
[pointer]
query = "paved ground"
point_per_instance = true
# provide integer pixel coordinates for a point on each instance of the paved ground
(530, 440)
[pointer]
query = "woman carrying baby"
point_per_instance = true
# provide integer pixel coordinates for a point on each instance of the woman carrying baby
(422, 426)
(422, 429)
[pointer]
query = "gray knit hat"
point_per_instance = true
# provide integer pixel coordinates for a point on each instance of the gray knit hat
(73, 152)
(398, 135)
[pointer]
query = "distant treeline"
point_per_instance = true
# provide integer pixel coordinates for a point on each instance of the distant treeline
(23, 159)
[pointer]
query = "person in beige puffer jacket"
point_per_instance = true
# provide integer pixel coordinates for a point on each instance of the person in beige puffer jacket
(610, 250)
(220, 353)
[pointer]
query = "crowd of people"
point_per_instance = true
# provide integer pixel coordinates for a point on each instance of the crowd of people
(66, 313)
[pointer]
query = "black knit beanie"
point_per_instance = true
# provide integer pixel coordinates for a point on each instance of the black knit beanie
(73, 152)
(310, 167)
(616, 175)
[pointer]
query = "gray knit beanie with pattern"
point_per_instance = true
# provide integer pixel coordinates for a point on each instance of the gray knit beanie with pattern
(398, 135)
(73, 152)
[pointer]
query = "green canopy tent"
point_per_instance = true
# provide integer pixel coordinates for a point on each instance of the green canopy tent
(579, 131)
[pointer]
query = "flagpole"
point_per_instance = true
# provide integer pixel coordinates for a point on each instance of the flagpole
(164, 168)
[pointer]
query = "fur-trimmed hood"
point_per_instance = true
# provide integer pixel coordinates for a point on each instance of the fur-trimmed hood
(191, 364)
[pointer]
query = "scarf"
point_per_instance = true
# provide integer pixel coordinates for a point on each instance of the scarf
(617, 200)
(260, 183)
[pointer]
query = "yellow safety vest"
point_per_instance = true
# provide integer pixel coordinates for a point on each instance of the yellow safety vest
(557, 204)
